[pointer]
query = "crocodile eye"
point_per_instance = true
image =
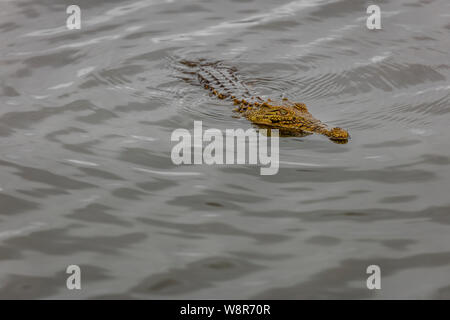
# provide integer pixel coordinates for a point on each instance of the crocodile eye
(300, 106)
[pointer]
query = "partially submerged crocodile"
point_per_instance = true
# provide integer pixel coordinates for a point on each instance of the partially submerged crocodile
(291, 118)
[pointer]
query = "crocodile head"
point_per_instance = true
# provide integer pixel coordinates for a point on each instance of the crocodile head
(290, 116)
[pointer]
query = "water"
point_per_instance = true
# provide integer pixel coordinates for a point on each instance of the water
(86, 176)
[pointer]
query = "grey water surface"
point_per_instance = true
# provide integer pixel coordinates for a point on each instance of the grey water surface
(86, 177)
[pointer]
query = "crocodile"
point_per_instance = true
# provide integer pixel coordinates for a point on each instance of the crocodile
(290, 118)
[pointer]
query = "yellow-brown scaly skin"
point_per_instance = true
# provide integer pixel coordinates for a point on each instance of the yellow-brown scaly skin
(290, 118)
(287, 116)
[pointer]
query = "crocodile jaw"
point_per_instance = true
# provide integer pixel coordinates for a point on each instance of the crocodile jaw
(290, 116)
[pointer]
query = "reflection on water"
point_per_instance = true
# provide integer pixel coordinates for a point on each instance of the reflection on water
(86, 176)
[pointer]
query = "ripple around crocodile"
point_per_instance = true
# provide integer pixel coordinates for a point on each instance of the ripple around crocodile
(291, 118)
